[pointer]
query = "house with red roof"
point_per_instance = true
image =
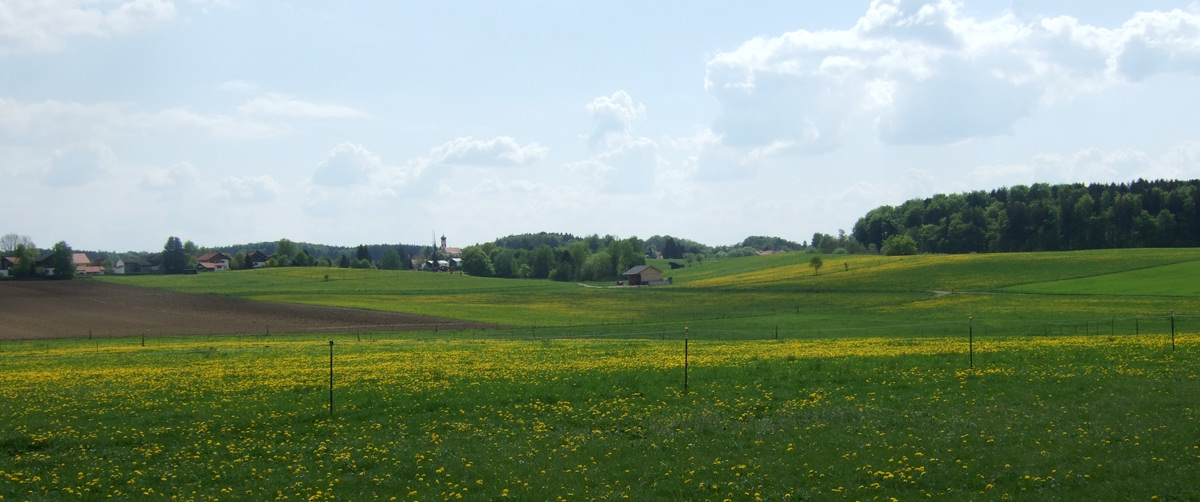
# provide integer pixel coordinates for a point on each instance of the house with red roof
(83, 265)
(213, 262)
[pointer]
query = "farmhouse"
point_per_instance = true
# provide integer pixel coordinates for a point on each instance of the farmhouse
(134, 265)
(213, 262)
(83, 265)
(256, 259)
(643, 275)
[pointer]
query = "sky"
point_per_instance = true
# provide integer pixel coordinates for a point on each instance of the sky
(223, 122)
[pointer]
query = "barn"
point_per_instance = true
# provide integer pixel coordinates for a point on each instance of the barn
(642, 275)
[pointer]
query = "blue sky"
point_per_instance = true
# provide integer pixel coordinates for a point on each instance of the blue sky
(224, 122)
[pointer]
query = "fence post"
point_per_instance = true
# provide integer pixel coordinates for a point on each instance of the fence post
(685, 359)
(1172, 330)
(331, 379)
(971, 340)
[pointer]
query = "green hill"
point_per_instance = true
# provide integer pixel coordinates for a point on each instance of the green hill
(1178, 279)
(1022, 293)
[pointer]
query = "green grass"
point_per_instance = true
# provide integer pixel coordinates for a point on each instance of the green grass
(872, 391)
(762, 296)
(1059, 418)
(1179, 279)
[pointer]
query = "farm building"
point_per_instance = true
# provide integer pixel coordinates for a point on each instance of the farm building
(256, 259)
(642, 275)
(83, 265)
(213, 262)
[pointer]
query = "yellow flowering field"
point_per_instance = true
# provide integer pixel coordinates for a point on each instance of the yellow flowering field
(1035, 418)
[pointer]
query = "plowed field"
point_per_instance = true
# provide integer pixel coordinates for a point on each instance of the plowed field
(81, 308)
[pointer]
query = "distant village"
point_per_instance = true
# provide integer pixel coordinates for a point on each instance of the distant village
(559, 257)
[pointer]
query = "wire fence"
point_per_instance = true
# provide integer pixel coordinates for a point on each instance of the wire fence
(1166, 324)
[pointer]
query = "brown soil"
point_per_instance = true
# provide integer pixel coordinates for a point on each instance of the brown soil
(80, 308)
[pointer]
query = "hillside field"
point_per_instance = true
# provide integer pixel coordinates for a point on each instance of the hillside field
(863, 382)
(1017, 294)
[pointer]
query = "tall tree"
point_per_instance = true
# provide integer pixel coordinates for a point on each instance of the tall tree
(541, 262)
(477, 263)
(24, 268)
(504, 264)
(671, 249)
(391, 260)
(898, 245)
(64, 267)
(303, 259)
(174, 260)
(405, 259)
(285, 250)
(10, 242)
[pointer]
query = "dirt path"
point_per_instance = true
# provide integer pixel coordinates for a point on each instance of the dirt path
(70, 309)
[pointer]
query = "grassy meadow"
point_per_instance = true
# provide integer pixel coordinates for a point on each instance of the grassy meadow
(857, 383)
(1105, 291)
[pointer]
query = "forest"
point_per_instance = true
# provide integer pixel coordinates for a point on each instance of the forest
(1040, 217)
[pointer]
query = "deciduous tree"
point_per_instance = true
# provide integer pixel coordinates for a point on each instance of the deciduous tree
(284, 251)
(899, 245)
(541, 261)
(24, 268)
(477, 263)
(391, 260)
(60, 258)
(9, 243)
(174, 260)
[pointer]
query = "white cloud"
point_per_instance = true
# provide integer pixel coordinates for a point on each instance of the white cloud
(1160, 42)
(215, 124)
(38, 25)
(630, 168)
(348, 164)
(289, 106)
(79, 164)
(626, 163)
(238, 85)
(1086, 165)
(498, 150)
(52, 118)
(925, 73)
(353, 176)
(614, 116)
(179, 176)
(1093, 165)
(254, 189)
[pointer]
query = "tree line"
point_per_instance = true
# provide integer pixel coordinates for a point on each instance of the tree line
(28, 262)
(591, 258)
(1039, 217)
(179, 256)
